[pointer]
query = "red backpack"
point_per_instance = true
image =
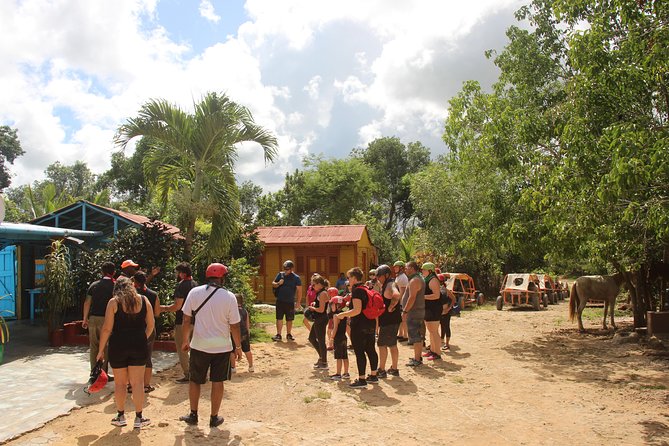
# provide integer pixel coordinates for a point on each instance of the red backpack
(375, 305)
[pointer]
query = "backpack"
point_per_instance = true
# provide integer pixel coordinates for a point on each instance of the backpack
(275, 291)
(375, 306)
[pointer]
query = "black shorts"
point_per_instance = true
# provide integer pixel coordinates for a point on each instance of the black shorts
(246, 344)
(218, 365)
(285, 309)
(433, 310)
(388, 335)
(340, 350)
(125, 353)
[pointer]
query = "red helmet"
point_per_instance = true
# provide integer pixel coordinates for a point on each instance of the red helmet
(333, 292)
(437, 270)
(98, 379)
(441, 277)
(216, 270)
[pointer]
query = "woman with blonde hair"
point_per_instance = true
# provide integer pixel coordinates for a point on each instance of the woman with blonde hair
(128, 324)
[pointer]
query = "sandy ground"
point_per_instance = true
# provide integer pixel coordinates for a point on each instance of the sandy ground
(513, 377)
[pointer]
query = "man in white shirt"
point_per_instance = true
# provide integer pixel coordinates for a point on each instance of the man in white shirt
(401, 281)
(216, 318)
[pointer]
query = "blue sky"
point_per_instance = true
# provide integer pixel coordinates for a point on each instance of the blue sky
(324, 76)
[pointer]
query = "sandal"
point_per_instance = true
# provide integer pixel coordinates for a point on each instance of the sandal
(149, 389)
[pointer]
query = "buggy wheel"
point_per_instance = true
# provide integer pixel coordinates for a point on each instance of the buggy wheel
(480, 300)
(499, 303)
(544, 300)
(535, 302)
(555, 298)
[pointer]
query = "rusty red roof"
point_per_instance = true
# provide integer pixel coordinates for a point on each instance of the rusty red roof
(298, 235)
(139, 219)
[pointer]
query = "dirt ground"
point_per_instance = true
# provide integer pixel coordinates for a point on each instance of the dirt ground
(512, 377)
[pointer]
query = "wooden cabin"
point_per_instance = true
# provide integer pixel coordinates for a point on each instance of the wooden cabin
(328, 250)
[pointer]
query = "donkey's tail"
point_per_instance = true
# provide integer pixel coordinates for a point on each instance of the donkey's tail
(573, 302)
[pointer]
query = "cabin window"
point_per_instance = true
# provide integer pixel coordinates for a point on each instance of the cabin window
(333, 265)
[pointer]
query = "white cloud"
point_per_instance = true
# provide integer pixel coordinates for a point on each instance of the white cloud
(208, 12)
(323, 76)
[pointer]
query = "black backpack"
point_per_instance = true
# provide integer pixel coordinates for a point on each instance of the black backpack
(275, 291)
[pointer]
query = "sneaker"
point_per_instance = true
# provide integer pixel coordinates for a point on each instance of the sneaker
(345, 376)
(427, 353)
(445, 348)
(358, 384)
(393, 372)
(233, 370)
(382, 374)
(191, 418)
(372, 378)
(433, 357)
(149, 389)
(215, 421)
(141, 422)
(276, 338)
(251, 369)
(119, 421)
(184, 380)
(414, 363)
(335, 377)
(110, 378)
(290, 337)
(321, 365)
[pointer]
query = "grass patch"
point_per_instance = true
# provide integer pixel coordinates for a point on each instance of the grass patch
(597, 313)
(652, 387)
(321, 395)
(258, 334)
(458, 379)
(270, 318)
(487, 306)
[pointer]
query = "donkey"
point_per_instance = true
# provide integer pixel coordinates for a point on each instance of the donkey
(586, 288)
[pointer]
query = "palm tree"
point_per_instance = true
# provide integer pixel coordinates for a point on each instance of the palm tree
(192, 157)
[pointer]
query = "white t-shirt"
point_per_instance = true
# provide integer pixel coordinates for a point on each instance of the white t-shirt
(211, 333)
(402, 281)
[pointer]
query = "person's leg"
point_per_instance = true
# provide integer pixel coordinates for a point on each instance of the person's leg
(370, 350)
(321, 327)
(183, 356)
(279, 326)
(394, 357)
(435, 340)
(383, 356)
(358, 342)
(313, 339)
(220, 372)
(279, 312)
(136, 380)
(148, 370)
(93, 340)
(194, 395)
(249, 358)
(345, 366)
(446, 330)
(217, 390)
(289, 327)
(306, 323)
(120, 388)
(340, 363)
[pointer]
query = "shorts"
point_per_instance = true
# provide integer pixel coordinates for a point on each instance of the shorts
(285, 309)
(433, 310)
(124, 353)
(246, 344)
(414, 327)
(218, 365)
(388, 335)
(340, 350)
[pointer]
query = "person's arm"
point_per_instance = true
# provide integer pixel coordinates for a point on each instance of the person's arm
(107, 327)
(393, 294)
(447, 306)
(278, 281)
(185, 327)
(248, 322)
(356, 310)
(323, 301)
(154, 272)
(335, 324)
(150, 318)
(157, 308)
(87, 310)
(236, 333)
(176, 306)
(414, 288)
(298, 296)
(433, 285)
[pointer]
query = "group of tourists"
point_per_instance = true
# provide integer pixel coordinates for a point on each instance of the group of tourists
(120, 314)
(407, 302)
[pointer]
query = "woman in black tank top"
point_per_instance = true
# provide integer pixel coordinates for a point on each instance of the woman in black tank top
(433, 309)
(128, 323)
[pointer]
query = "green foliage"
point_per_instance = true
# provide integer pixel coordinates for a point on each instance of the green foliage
(238, 281)
(10, 149)
(192, 157)
(126, 177)
(59, 286)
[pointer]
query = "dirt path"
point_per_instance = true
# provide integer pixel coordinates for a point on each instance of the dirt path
(513, 377)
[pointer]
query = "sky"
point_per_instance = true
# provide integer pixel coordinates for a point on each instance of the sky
(323, 76)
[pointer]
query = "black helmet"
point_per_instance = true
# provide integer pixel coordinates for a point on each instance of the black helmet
(288, 264)
(383, 270)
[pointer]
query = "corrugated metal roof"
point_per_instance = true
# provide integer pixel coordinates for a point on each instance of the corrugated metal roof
(294, 235)
(139, 219)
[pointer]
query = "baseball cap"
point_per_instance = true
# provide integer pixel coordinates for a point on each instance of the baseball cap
(127, 263)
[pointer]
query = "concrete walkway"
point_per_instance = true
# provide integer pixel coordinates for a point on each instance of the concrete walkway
(39, 383)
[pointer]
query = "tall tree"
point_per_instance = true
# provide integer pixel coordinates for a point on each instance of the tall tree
(10, 149)
(193, 158)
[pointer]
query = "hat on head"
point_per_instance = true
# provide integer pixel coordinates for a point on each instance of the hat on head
(398, 263)
(383, 270)
(127, 263)
(429, 266)
(216, 270)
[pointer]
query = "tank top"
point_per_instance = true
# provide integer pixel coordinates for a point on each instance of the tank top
(317, 304)
(127, 325)
(418, 308)
(428, 279)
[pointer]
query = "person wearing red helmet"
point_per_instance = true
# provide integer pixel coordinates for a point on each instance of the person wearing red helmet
(211, 311)
(186, 283)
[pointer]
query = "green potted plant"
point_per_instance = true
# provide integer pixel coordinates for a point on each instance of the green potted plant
(59, 290)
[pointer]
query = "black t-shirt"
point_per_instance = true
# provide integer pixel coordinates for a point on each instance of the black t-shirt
(101, 292)
(340, 334)
(151, 295)
(361, 322)
(390, 318)
(181, 292)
